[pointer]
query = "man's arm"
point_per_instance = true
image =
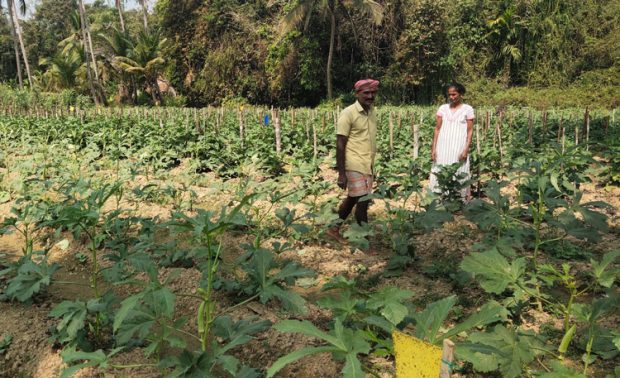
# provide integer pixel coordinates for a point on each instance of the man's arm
(341, 145)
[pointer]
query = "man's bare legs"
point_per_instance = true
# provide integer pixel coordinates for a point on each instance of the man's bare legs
(345, 209)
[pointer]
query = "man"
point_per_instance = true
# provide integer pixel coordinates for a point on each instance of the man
(356, 146)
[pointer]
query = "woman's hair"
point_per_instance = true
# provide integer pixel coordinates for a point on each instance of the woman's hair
(457, 87)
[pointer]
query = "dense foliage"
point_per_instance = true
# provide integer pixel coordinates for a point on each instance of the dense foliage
(301, 52)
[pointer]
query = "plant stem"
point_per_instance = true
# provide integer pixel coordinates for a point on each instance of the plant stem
(70, 283)
(132, 366)
(246, 301)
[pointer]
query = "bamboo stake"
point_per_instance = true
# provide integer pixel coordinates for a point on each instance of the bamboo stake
(276, 124)
(477, 127)
(530, 126)
(498, 129)
(415, 128)
(241, 130)
(315, 151)
(587, 126)
(560, 125)
(447, 359)
(391, 132)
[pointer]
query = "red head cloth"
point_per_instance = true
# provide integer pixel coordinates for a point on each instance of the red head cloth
(365, 84)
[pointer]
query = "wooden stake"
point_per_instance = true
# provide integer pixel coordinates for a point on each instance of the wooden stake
(447, 359)
(391, 132)
(315, 152)
(415, 128)
(241, 130)
(586, 124)
(498, 130)
(478, 188)
(530, 126)
(276, 124)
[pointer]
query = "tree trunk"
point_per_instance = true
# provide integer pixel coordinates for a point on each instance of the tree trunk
(330, 56)
(88, 39)
(18, 32)
(144, 15)
(119, 6)
(91, 83)
(16, 48)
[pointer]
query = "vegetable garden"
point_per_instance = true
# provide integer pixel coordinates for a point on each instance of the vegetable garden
(189, 243)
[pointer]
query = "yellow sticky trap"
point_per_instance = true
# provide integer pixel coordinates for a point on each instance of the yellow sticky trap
(415, 358)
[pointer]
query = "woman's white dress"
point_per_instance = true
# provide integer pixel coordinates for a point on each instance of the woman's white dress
(451, 142)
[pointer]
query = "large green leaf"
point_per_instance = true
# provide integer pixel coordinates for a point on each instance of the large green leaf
(561, 371)
(604, 276)
(306, 328)
(73, 314)
(490, 313)
(296, 355)
(493, 270)
(513, 350)
(389, 300)
(31, 278)
(430, 320)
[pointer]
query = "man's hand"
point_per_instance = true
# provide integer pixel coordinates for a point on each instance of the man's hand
(342, 180)
(463, 155)
(433, 156)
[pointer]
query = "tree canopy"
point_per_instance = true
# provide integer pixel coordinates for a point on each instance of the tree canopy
(301, 52)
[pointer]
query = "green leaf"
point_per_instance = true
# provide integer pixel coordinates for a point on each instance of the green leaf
(235, 334)
(484, 358)
(73, 314)
(296, 355)
(491, 312)
(97, 358)
(342, 306)
(515, 348)
(357, 235)
(5, 343)
(433, 217)
(306, 328)
(127, 305)
(430, 320)
(31, 278)
(493, 271)
(389, 300)
(604, 276)
(352, 367)
(561, 371)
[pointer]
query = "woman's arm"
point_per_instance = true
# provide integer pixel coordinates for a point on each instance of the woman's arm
(435, 136)
(470, 132)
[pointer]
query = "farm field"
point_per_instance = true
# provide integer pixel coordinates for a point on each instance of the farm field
(190, 243)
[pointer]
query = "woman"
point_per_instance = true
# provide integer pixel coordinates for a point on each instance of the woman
(453, 132)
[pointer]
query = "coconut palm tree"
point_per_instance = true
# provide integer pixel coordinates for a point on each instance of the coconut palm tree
(16, 48)
(145, 62)
(17, 35)
(305, 8)
(144, 5)
(117, 44)
(62, 70)
(96, 89)
(119, 7)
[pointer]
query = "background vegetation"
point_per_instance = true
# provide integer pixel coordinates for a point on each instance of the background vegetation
(299, 53)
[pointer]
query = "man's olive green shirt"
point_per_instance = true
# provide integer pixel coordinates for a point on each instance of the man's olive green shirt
(361, 129)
